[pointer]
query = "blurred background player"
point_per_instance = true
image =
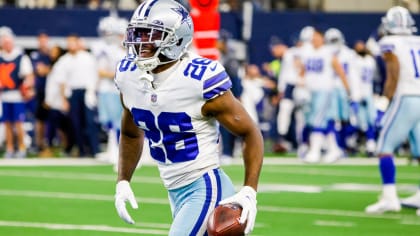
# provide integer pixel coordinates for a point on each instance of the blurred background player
(302, 94)
(320, 64)
(41, 62)
(77, 74)
(16, 81)
(60, 126)
(400, 49)
(254, 85)
(232, 67)
(344, 106)
(366, 72)
(108, 52)
(289, 78)
(271, 109)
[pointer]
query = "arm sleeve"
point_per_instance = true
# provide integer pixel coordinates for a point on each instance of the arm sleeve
(216, 84)
(386, 45)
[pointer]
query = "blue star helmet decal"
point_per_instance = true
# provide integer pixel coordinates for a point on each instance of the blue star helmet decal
(180, 10)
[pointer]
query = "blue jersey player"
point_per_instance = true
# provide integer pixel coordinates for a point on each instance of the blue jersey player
(177, 99)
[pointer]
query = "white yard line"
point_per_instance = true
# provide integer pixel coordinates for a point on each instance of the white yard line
(341, 187)
(80, 196)
(329, 212)
(72, 176)
(330, 223)
(103, 228)
(275, 188)
(337, 173)
(54, 161)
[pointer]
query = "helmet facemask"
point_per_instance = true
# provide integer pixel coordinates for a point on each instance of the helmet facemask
(145, 44)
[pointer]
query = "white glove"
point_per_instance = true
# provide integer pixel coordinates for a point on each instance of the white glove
(247, 198)
(382, 103)
(122, 195)
(90, 99)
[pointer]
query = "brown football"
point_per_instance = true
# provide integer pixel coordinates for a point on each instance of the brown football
(224, 221)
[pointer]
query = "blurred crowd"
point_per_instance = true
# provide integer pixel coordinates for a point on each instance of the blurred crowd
(224, 5)
(61, 98)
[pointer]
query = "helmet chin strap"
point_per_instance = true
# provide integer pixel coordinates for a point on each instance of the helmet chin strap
(148, 64)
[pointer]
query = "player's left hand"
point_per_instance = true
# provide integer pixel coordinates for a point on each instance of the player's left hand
(125, 194)
(247, 198)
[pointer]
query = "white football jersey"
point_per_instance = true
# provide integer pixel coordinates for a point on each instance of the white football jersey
(407, 49)
(107, 56)
(366, 70)
(289, 72)
(318, 68)
(347, 58)
(182, 141)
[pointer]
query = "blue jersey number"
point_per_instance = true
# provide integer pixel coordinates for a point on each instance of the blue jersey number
(416, 61)
(196, 68)
(174, 130)
(126, 65)
(315, 65)
(367, 75)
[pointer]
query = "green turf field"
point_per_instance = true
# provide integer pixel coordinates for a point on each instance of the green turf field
(294, 199)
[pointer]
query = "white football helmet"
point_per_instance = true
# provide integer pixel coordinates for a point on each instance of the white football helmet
(166, 25)
(334, 36)
(306, 34)
(398, 20)
(112, 24)
(111, 27)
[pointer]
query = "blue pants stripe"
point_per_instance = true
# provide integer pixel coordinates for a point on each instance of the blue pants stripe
(389, 120)
(205, 208)
(219, 186)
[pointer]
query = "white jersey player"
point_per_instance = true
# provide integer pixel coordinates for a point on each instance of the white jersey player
(108, 52)
(177, 99)
(343, 114)
(400, 50)
(292, 86)
(366, 72)
(320, 64)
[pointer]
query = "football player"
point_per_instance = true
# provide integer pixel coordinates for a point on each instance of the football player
(177, 99)
(108, 52)
(340, 102)
(401, 52)
(366, 72)
(291, 84)
(320, 65)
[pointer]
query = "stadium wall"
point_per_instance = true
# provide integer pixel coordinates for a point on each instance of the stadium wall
(285, 25)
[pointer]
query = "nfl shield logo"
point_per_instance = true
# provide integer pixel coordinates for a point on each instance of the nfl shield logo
(153, 98)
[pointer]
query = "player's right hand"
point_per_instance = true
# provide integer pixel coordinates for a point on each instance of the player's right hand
(124, 194)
